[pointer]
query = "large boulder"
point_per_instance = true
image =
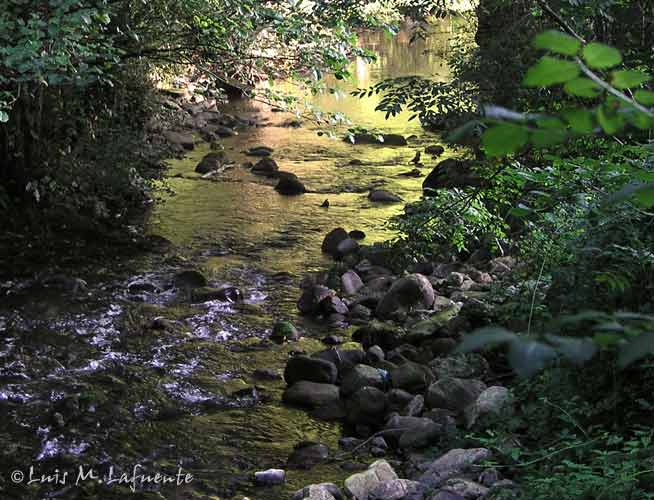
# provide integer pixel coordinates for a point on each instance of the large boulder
(359, 486)
(452, 173)
(453, 393)
(289, 185)
(312, 369)
(410, 291)
(311, 394)
(333, 239)
(366, 406)
(361, 376)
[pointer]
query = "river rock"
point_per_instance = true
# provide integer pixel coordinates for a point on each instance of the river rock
(265, 166)
(210, 162)
(346, 247)
(411, 173)
(189, 278)
(465, 365)
(222, 131)
(312, 394)
(309, 302)
(469, 490)
(361, 376)
(343, 359)
(411, 377)
(307, 454)
(261, 151)
(452, 173)
(366, 406)
(415, 407)
(289, 185)
(359, 486)
(386, 335)
(356, 234)
(454, 463)
(266, 374)
(312, 369)
(453, 393)
(397, 489)
(351, 283)
(375, 354)
(495, 403)
(224, 294)
(180, 139)
(322, 491)
(333, 239)
(270, 477)
(333, 305)
(383, 196)
(412, 432)
(360, 314)
(435, 150)
(386, 139)
(398, 399)
(410, 291)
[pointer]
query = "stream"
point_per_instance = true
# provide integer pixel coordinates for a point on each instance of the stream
(127, 371)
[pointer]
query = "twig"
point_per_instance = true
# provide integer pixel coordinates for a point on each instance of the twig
(533, 296)
(560, 21)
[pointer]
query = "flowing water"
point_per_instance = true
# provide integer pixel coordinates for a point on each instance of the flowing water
(96, 378)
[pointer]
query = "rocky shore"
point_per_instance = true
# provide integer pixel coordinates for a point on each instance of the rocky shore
(406, 397)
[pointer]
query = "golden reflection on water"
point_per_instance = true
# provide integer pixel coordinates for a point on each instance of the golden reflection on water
(282, 233)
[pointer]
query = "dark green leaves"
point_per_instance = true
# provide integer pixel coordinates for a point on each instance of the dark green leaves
(628, 79)
(600, 56)
(644, 97)
(580, 120)
(504, 139)
(550, 71)
(558, 42)
(582, 87)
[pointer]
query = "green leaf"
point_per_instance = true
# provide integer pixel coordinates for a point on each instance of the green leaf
(504, 139)
(645, 196)
(582, 87)
(550, 71)
(580, 120)
(485, 337)
(610, 123)
(4, 116)
(635, 349)
(556, 41)
(542, 138)
(644, 97)
(600, 56)
(628, 79)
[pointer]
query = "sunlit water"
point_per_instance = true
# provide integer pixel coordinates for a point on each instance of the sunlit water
(186, 398)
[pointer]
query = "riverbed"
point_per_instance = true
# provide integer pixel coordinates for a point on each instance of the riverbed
(125, 371)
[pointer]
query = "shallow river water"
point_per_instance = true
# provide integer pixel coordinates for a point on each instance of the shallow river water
(94, 379)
